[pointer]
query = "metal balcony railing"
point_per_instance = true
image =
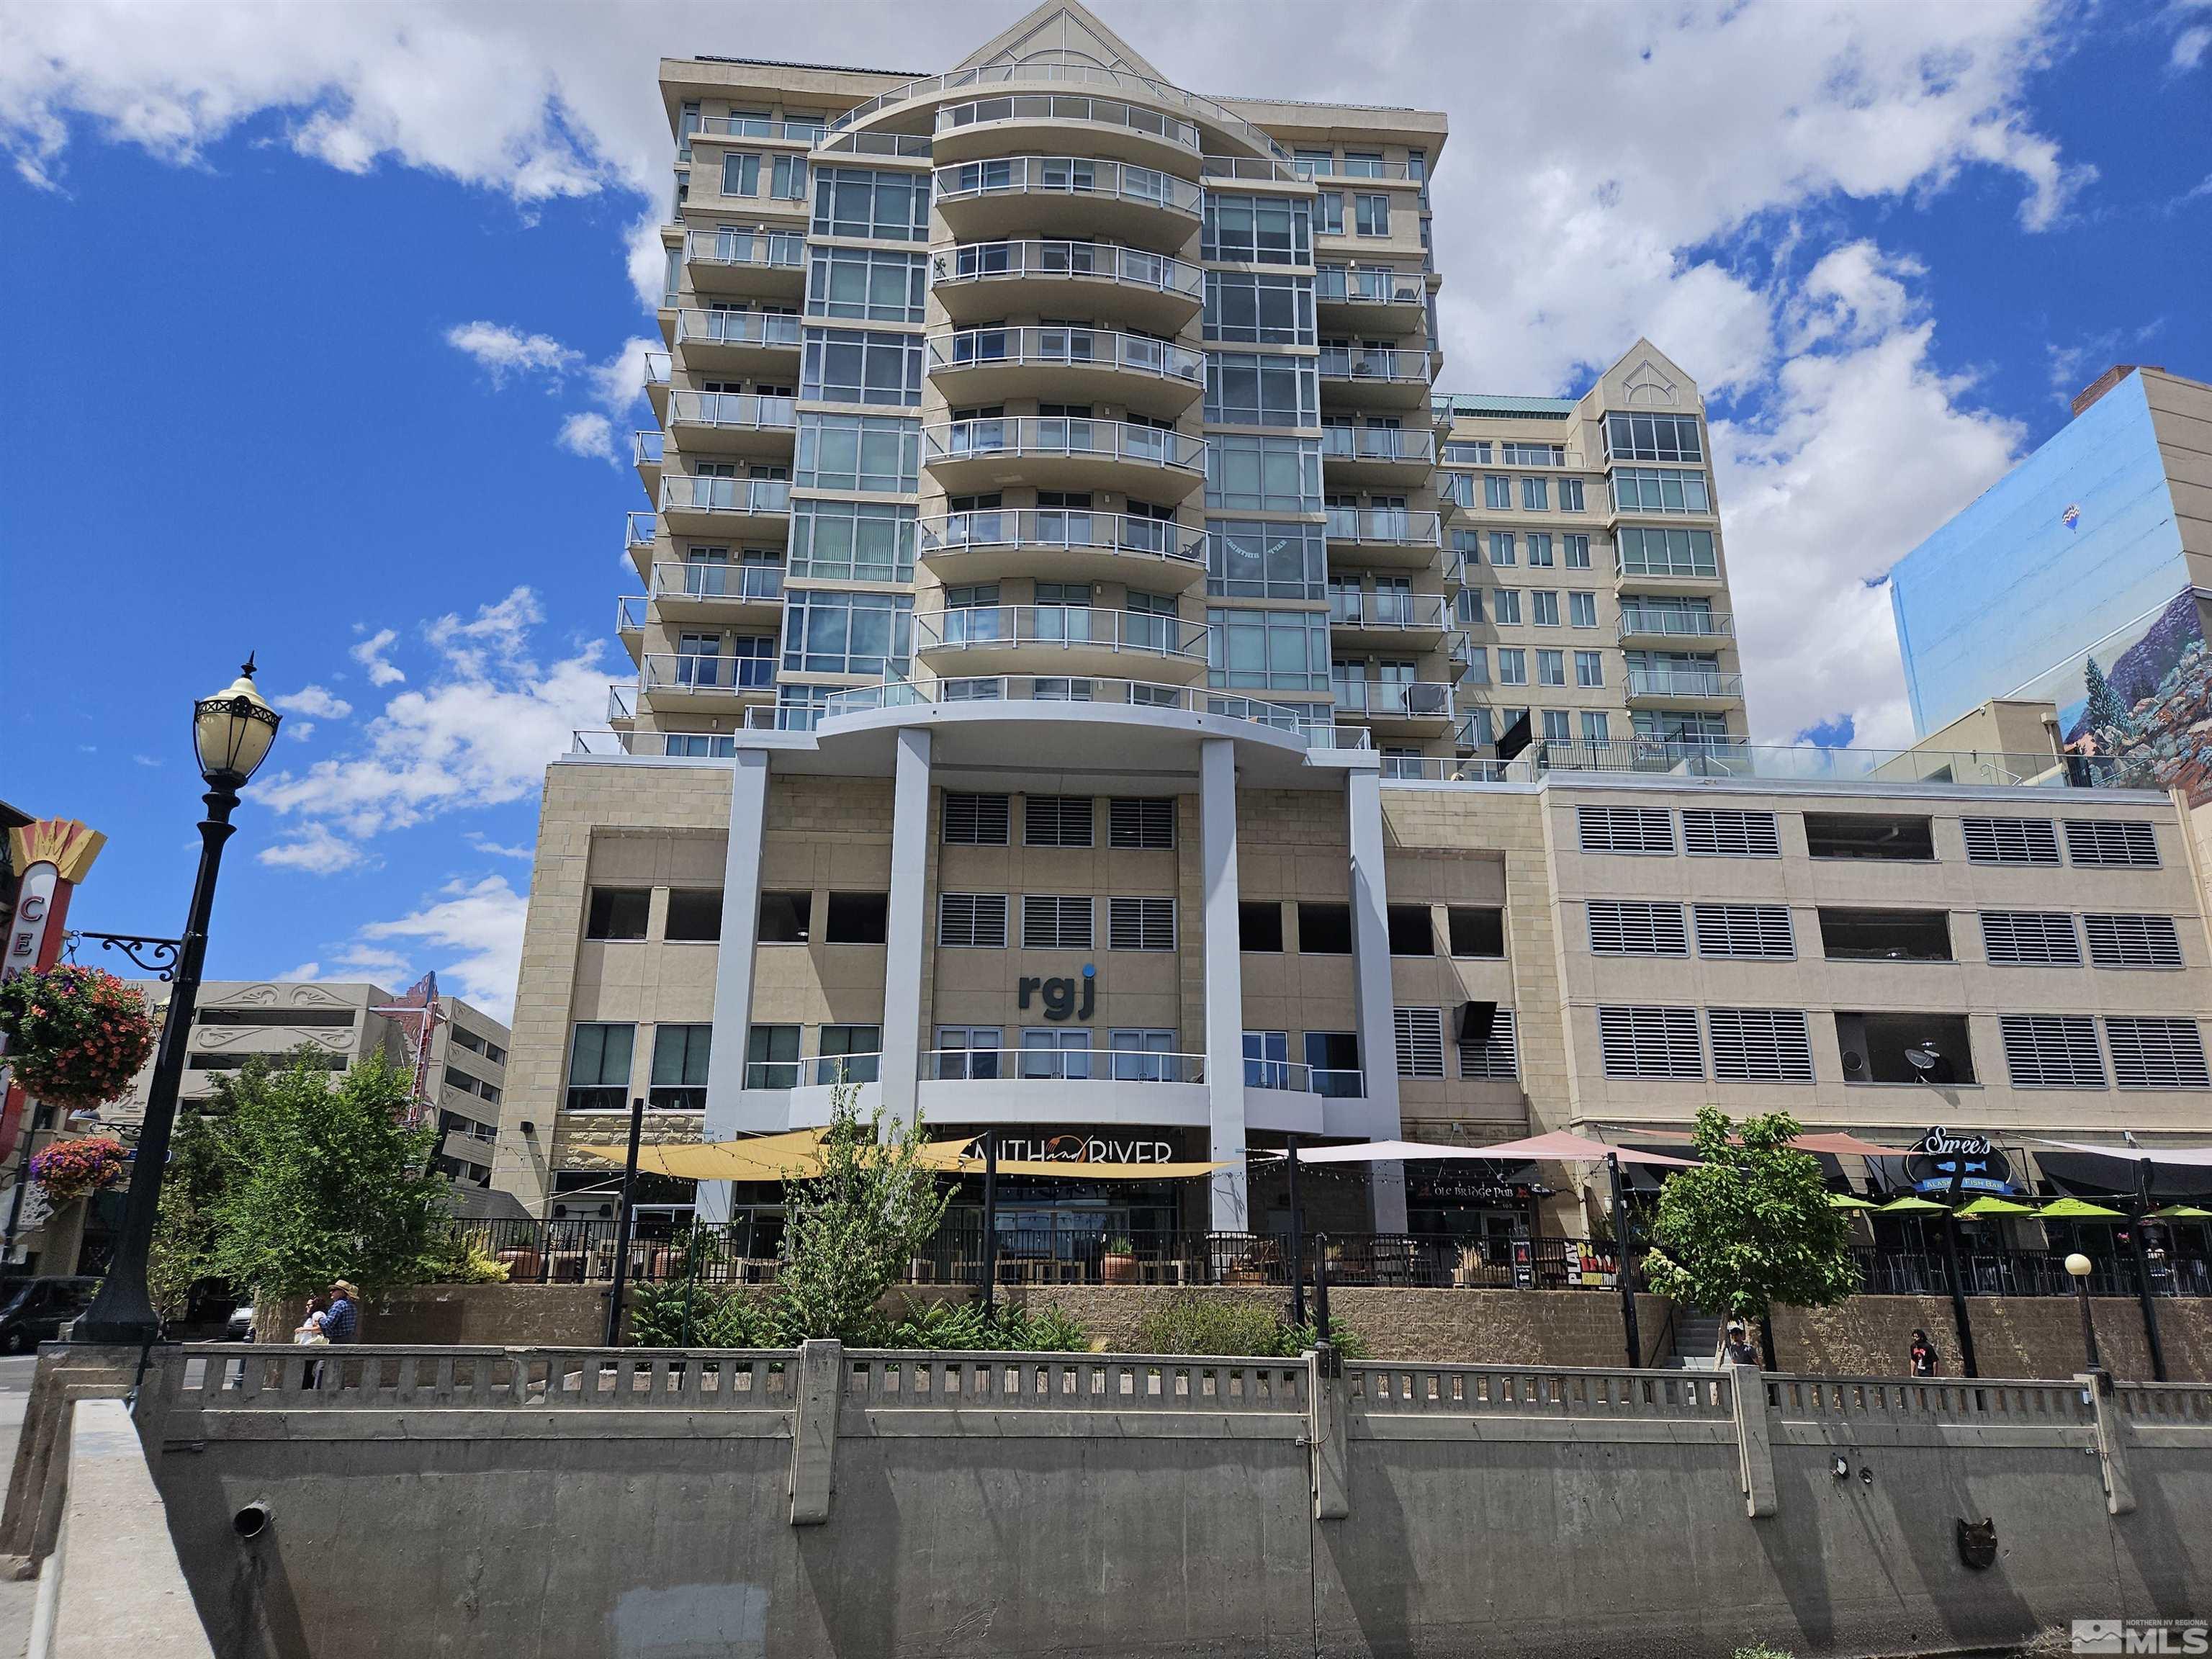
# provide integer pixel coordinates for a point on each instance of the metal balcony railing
(639, 529)
(1310, 722)
(733, 409)
(622, 703)
(1395, 525)
(1067, 107)
(1029, 258)
(1386, 608)
(756, 127)
(752, 582)
(646, 447)
(783, 250)
(984, 627)
(773, 329)
(1061, 528)
(1066, 347)
(901, 144)
(1388, 363)
(1067, 175)
(1077, 1065)
(1414, 445)
(629, 613)
(688, 671)
(1689, 624)
(1373, 285)
(656, 368)
(1393, 699)
(684, 493)
(1063, 436)
(1317, 167)
(1679, 683)
(1245, 166)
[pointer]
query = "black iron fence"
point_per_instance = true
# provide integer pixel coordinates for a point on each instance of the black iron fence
(2024, 1272)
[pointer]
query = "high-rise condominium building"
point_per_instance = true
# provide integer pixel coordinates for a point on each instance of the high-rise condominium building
(1093, 686)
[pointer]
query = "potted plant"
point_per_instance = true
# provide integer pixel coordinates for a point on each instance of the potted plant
(1119, 1265)
(76, 1036)
(71, 1170)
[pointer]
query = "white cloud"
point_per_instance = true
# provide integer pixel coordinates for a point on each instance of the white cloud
(369, 653)
(501, 351)
(299, 730)
(592, 436)
(471, 933)
(315, 849)
(146, 760)
(306, 971)
(2191, 46)
(313, 700)
(483, 843)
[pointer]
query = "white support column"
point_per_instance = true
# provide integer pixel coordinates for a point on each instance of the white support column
(906, 927)
(733, 968)
(1370, 948)
(1225, 982)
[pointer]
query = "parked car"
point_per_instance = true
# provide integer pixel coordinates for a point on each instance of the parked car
(37, 1308)
(240, 1327)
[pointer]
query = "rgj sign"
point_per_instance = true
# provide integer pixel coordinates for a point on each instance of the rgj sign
(1941, 1159)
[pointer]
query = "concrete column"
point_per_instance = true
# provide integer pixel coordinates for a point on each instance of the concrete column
(733, 968)
(1370, 952)
(906, 927)
(1224, 982)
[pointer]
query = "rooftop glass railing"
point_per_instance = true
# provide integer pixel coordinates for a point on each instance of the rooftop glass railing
(1067, 107)
(1310, 722)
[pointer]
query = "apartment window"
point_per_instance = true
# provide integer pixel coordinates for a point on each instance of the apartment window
(1277, 650)
(1505, 606)
(1056, 820)
(1259, 925)
(1726, 832)
(1420, 1033)
(1551, 669)
(858, 365)
(972, 920)
(1501, 548)
(1625, 829)
(1536, 497)
(1649, 1041)
(1492, 1055)
(1635, 927)
(1540, 548)
(599, 1067)
(1649, 550)
(1582, 612)
(1263, 230)
(2010, 841)
(1653, 438)
(888, 207)
(1870, 837)
(1412, 932)
(849, 1053)
(1245, 389)
(1571, 501)
(1497, 493)
(853, 541)
(695, 916)
(2111, 844)
(1257, 472)
(1056, 922)
(1760, 1045)
(1544, 612)
(2030, 938)
(1254, 561)
(1558, 726)
(880, 454)
(787, 178)
(1371, 214)
(1324, 930)
(975, 820)
(687, 123)
(1475, 930)
(1140, 924)
(1745, 930)
(1575, 548)
(2118, 941)
(740, 175)
(1659, 489)
(679, 1067)
(2157, 1053)
(1590, 668)
(1595, 728)
(1141, 822)
(617, 913)
(1329, 213)
(837, 633)
(1474, 660)
(1865, 935)
(772, 1057)
(1258, 308)
(1512, 662)
(2051, 1051)
(784, 917)
(857, 919)
(866, 285)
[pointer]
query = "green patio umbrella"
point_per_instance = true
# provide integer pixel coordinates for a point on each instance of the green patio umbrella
(2077, 1209)
(1989, 1204)
(1912, 1205)
(1846, 1201)
(2180, 1212)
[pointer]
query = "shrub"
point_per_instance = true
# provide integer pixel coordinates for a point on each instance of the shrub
(1195, 1323)
(953, 1327)
(76, 1036)
(1350, 1345)
(680, 1313)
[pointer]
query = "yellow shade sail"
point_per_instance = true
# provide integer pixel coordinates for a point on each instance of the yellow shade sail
(798, 1155)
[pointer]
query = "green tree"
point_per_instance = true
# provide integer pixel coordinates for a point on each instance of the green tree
(2106, 715)
(849, 1233)
(183, 1249)
(324, 1180)
(1751, 1225)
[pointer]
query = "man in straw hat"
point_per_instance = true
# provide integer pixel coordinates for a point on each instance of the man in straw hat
(341, 1320)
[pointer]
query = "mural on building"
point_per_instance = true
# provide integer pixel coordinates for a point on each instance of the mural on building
(2143, 695)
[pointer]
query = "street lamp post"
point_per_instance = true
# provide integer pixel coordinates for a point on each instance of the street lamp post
(2079, 1265)
(232, 732)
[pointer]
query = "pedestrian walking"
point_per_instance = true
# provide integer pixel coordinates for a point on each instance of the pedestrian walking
(1926, 1362)
(1737, 1347)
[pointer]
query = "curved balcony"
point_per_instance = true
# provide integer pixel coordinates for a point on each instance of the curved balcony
(1060, 451)
(1388, 620)
(1375, 297)
(1303, 724)
(1055, 544)
(1059, 639)
(1120, 1065)
(1077, 365)
(1067, 195)
(1383, 378)
(1387, 538)
(739, 342)
(1382, 457)
(753, 264)
(726, 507)
(1410, 708)
(1012, 121)
(722, 595)
(983, 281)
(1640, 626)
(732, 423)
(1675, 687)
(688, 681)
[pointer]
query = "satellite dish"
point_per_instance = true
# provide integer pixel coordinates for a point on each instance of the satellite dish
(1921, 1057)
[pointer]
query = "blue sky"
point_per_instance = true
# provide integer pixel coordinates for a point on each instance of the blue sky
(320, 329)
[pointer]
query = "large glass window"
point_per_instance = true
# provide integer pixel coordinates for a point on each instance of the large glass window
(1274, 650)
(1250, 561)
(1258, 307)
(1649, 550)
(1266, 230)
(870, 283)
(846, 633)
(891, 207)
(879, 455)
(851, 365)
(599, 1067)
(1653, 438)
(1248, 473)
(740, 175)
(1245, 389)
(1659, 489)
(679, 1067)
(852, 541)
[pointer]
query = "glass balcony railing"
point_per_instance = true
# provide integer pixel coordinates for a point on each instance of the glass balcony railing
(1067, 107)
(1412, 445)
(1067, 175)
(1049, 257)
(1065, 626)
(1683, 682)
(1066, 347)
(1393, 524)
(1310, 722)
(1064, 529)
(769, 329)
(1383, 363)
(1368, 285)
(733, 409)
(755, 497)
(1393, 699)
(1062, 436)
(1388, 608)
(758, 127)
(782, 249)
(756, 583)
(696, 672)
(1056, 1064)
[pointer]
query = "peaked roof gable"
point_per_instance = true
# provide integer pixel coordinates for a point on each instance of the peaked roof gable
(1061, 31)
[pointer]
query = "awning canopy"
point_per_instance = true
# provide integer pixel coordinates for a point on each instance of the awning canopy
(797, 1155)
(1845, 1145)
(2195, 1157)
(1562, 1146)
(1397, 1151)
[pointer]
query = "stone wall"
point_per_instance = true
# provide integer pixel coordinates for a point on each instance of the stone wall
(2013, 1336)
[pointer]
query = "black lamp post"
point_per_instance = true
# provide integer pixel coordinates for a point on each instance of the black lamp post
(2081, 1267)
(232, 732)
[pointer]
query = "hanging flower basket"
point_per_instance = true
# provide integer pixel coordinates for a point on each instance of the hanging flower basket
(70, 1170)
(76, 1036)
